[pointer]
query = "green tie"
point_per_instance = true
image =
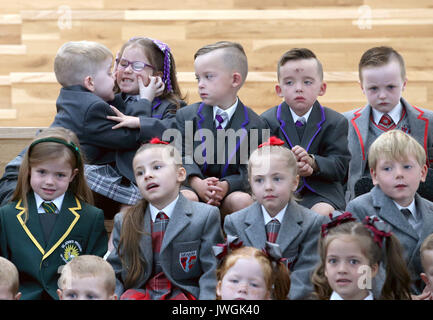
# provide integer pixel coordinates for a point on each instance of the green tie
(49, 207)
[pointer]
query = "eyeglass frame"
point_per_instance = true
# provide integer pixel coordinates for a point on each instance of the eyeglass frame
(131, 63)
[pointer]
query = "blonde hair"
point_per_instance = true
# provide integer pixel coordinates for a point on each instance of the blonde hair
(48, 150)
(299, 54)
(234, 58)
(9, 275)
(380, 56)
(88, 266)
(395, 145)
(397, 282)
(427, 245)
(132, 225)
(277, 278)
(75, 60)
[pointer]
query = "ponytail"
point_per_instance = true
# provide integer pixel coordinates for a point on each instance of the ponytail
(280, 281)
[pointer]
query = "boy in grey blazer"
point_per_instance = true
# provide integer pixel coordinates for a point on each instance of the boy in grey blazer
(397, 166)
(383, 78)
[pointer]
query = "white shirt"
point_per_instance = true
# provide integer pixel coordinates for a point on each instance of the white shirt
(395, 114)
(58, 202)
(336, 296)
(305, 116)
(230, 111)
(168, 210)
(415, 220)
(279, 216)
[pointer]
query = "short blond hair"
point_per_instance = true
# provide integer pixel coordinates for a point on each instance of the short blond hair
(75, 60)
(88, 266)
(395, 145)
(427, 245)
(235, 58)
(9, 275)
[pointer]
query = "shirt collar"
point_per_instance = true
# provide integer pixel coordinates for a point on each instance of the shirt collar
(336, 296)
(230, 110)
(395, 114)
(279, 216)
(305, 116)
(168, 210)
(411, 207)
(58, 202)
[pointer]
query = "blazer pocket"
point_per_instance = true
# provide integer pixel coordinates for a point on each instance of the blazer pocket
(185, 260)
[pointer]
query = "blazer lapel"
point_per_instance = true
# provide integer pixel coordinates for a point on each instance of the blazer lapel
(313, 126)
(361, 122)
(179, 220)
(418, 124)
(290, 228)
(427, 217)
(287, 125)
(146, 242)
(254, 227)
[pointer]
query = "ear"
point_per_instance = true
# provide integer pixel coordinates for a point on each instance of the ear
(322, 89)
(18, 296)
(278, 90)
(404, 84)
(181, 174)
(218, 289)
(60, 294)
(373, 176)
(361, 86)
(424, 171)
(236, 79)
(89, 84)
(74, 173)
(374, 269)
(295, 183)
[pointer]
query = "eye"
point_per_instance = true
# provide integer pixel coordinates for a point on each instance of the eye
(41, 171)
(61, 175)
(373, 89)
(353, 261)
(308, 82)
(139, 173)
(289, 82)
(258, 180)
(254, 285)
(277, 179)
(209, 76)
(90, 297)
(332, 260)
(197, 78)
(157, 167)
(407, 166)
(391, 87)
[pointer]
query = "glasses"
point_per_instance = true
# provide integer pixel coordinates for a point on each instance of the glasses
(135, 65)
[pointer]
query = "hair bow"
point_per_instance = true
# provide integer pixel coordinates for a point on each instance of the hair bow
(222, 249)
(156, 140)
(272, 141)
(273, 251)
(337, 218)
(379, 229)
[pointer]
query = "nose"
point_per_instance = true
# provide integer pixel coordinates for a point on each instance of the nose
(398, 172)
(341, 268)
(49, 179)
(268, 184)
(382, 94)
(243, 287)
(298, 87)
(200, 84)
(148, 175)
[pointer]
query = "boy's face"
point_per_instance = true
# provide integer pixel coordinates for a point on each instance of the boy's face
(272, 185)
(217, 86)
(383, 85)
(85, 288)
(104, 82)
(157, 176)
(127, 78)
(399, 179)
(427, 275)
(300, 84)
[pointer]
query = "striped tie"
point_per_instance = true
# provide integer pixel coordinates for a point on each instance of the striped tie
(386, 122)
(272, 229)
(49, 207)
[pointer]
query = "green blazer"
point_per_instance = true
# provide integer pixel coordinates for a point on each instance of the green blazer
(79, 229)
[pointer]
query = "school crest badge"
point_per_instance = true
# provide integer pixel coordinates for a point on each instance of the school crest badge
(187, 259)
(70, 250)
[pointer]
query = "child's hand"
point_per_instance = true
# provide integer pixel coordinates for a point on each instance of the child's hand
(206, 189)
(154, 88)
(304, 169)
(124, 121)
(423, 296)
(306, 163)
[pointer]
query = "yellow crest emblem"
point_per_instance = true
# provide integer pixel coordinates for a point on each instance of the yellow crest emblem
(71, 249)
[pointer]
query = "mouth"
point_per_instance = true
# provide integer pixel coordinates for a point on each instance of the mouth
(127, 80)
(48, 191)
(299, 98)
(343, 281)
(151, 186)
(239, 299)
(203, 95)
(269, 197)
(400, 186)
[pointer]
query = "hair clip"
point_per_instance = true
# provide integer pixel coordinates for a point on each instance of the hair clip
(272, 141)
(378, 227)
(337, 218)
(156, 140)
(273, 252)
(222, 249)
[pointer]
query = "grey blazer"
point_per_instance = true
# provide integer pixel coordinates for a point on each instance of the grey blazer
(377, 203)
(421, 126)
(297, 238)
(193, 228)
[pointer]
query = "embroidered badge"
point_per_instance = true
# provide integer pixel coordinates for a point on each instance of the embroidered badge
(71, 249)
(188, 259)
(405, 129)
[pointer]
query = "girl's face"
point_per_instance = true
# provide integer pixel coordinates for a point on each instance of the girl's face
(272, 182)
(344, 260)
(126, 76)
(157, 176)
(243, 281)
(50, 178)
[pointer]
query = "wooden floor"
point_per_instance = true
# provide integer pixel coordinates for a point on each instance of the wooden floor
(338, 31)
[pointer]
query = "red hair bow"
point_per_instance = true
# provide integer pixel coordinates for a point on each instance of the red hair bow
(337, 218)
(222, 249)
(379, 229)
(156, 140)
(272, 141)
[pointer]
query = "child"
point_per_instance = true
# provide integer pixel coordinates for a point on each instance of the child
(350, 255)
(276, 217)
(163, 244)
(317, 135)
(87, 277)
(426, 253)
(145, 104)
(397, 165)
(248, 273)
(49, 221)
(382, 77)
(216, 162)
(9, 280)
